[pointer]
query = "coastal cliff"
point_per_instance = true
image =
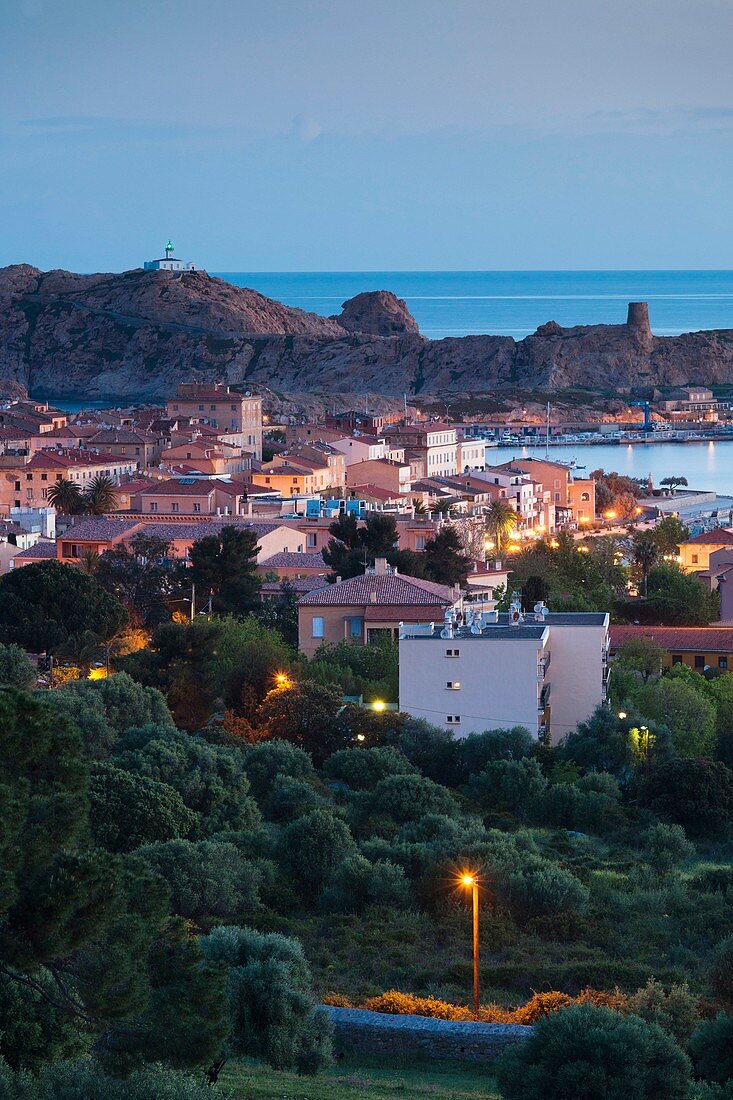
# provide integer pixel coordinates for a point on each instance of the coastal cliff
(139, 333)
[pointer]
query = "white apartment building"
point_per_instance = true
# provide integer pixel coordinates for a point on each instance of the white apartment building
(470, 455)
(356, 449)
(530, 501)
(545, 671)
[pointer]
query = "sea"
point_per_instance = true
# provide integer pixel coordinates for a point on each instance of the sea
(513, 303)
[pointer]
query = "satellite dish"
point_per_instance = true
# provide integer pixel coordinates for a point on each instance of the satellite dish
(446, 633)
(475, 629)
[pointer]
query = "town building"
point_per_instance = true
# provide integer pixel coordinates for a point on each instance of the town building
(365, 608)
(196, 456)
(430, 448)
(26, 484)
(217, 405)
(698, 647)
(573, 498)
(545, 671)
(191, 496)
(695, 552)
(168, 262)
(144, 447)
(382, 472)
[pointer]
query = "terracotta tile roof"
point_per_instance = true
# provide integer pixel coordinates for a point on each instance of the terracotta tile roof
(121, 435)
(289, 559)
(186, 487)
(302, 585)
(678, 639)
(44, 549)
(193, 531)
(64, 459)
(721, 536)
(387, 590)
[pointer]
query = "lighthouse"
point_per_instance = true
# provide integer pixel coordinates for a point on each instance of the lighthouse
(169, 262)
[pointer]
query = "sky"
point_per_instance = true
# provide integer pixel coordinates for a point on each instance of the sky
(361, 135)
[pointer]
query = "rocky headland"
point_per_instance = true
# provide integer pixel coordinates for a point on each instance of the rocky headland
(137, 334)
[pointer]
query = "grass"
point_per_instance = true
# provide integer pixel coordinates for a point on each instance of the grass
(365, 1077)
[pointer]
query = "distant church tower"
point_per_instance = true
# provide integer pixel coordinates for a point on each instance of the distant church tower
(169, 262)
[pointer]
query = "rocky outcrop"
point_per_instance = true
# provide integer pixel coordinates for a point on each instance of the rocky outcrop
(136, 335)
(379, 313)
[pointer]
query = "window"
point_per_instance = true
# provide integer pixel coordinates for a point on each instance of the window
(452, 652)
(356, 626)
(722, 662)
(317, 626)
(420, 542)
(453, 685)
(694, 559)
(453, 719)
(197, 507)
(312, 539)
(676, 658)
(29, 494)
(699, 660)
(585, 496)
(17, 486)
(44, 477)
(29, 477)
(153, 506)
(174, 506)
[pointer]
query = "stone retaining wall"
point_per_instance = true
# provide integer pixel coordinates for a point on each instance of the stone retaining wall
(356, 1029)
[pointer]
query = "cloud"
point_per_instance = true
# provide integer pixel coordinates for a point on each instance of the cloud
(304, 129)
(663, 120)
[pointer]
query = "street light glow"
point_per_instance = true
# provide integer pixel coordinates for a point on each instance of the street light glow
(283, 680)
(468, 880)
(378, 705)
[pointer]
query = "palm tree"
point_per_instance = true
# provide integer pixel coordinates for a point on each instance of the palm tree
(645, 553)
(66, 497)
(101, 496)
(500, 519)
(420, 509)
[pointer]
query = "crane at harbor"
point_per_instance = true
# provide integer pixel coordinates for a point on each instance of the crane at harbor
(646, 406)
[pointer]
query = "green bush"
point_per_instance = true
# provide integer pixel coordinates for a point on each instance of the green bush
(666, 846)
(431, 749)
(401, 798)
(540, 887)
(362, 768)
(601, 783)
(711, 1050)
(126, 810)
(272, 1014)
(596, 1054)
(15, 668)
(713, 880)
(290, 798)
(508, 787)
(720, 971)
(207, 878)
(697, 794)
(87, 1081)
(564, 805)
(357, 883)
(269, 760)
(312, 847)
(479, 749)
(675, 1008)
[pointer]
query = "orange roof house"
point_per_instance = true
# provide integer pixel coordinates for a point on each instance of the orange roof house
(365, 608)
(699, 647)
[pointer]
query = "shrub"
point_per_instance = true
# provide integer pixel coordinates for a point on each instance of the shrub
(290, 798)
(271, 1010)
(479, 749)
(206, 878)
(402, 798)
(675, 1009)
(720, 971)
(15, 668)
(713, 880)
(601, 783)
(126, 811)
(665, 846)
(538, 886)
(508, 786)
(357, 883)
(313, 846)
(697, 794)
(711, 1049)
(594, 1053)
(86, 1080)
(362, 768)
(563, 805)
(431, 749)
(267, 760)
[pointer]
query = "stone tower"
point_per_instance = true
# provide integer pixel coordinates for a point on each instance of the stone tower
(637, 321)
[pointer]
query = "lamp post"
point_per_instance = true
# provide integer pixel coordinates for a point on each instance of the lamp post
(471, 881)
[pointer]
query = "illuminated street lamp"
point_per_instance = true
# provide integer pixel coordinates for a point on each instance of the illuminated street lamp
(378, 705)
(283, 680)
(470, 881)
(622, 714)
